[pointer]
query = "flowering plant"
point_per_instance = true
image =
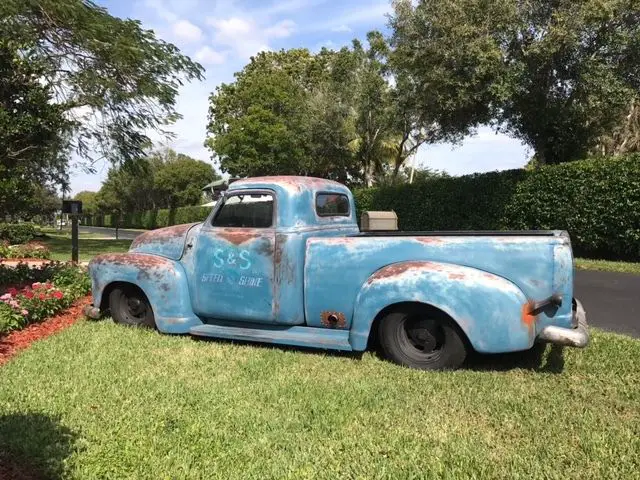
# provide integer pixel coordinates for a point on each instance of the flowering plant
(31, 304)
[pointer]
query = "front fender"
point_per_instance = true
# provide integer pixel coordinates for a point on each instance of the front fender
(162, 280)
(490, 310)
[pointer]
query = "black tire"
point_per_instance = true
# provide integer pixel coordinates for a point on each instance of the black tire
(421, 338)
(130, 306)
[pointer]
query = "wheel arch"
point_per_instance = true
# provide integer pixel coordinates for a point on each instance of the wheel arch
(106, 293)
(162, 280)
(428, 308)
(486, 308)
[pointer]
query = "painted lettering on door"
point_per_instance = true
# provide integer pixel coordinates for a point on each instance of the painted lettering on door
(224, 258)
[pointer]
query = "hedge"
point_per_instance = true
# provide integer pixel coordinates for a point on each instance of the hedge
(596, 200)
(17, 233)
(151, 218)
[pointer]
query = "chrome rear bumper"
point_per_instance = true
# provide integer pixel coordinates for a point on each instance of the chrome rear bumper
(578, 336)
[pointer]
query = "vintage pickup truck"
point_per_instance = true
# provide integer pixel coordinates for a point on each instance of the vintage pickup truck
(282, 260)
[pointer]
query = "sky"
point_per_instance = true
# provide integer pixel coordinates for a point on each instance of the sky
(223, 34)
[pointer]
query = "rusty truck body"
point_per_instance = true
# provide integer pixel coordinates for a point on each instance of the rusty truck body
(282, 260)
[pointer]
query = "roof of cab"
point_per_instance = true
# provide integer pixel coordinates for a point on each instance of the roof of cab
(290, 183)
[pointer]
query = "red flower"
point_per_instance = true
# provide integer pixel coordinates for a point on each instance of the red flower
(28, 294)
(58, 294)
(42, 296)
(12, 291)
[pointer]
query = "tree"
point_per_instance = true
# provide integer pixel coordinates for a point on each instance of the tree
(164, 179)
(33, 135)
(89, 201)
(179, 179)
(114, 79)
(257, 124)
(557, 75)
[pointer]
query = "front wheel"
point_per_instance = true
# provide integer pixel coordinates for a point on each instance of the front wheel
(130, 306)
(421, 338)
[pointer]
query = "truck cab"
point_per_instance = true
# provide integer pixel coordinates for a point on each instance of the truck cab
(282, 260)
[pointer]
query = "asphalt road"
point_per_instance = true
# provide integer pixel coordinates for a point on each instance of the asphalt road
(611, 300)
(110, 232)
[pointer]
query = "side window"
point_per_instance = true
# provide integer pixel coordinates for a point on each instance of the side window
(332, 205)
(246, 211)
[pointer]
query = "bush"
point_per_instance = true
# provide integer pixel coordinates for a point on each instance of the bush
(56, 287)
(28, 250)
(16, 233)
(597, 201)
(22, 273)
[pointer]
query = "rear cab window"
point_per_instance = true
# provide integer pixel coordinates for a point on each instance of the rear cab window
(245, 210)
(332, 204)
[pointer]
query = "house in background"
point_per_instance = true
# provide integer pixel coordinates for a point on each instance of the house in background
(214, 189)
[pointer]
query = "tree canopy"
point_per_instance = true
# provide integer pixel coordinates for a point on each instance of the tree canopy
(164, 179)
(74, 78)
(557, 75)
(333, 114)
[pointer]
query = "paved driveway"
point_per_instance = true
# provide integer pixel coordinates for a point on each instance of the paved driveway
(123, 234)
(611, 300)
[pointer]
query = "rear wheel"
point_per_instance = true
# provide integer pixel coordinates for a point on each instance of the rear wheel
(421, 338)
(130, 306)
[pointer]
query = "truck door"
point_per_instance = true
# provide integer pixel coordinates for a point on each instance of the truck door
(234, 259)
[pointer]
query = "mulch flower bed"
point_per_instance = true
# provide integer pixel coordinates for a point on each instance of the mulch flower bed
(21, 339)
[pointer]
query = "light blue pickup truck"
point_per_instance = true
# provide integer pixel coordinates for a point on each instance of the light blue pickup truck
(282, 260)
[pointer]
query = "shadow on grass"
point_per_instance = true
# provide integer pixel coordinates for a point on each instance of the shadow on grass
(33, 446)
(540, 358)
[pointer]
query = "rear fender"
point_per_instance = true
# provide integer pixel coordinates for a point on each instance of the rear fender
(490, 310)
(162, 280)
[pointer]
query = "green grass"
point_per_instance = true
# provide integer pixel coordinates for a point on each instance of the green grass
(104, 401)
(607, 266)
(88, 247)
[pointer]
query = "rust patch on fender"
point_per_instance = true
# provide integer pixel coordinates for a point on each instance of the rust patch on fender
(429, 240)
(528, 318)
(238, 237)
(332, 319)
(400, 268)
(457, 276)
(139, 260)
(162, 234)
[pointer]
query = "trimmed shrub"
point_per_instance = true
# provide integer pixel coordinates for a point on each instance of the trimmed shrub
(596, 200)
(16, 233)
(470, 202)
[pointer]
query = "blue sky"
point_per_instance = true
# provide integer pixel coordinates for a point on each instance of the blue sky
(223, 34)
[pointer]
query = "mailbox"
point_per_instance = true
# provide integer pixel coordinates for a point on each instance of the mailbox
(379, 221)
(72, 207)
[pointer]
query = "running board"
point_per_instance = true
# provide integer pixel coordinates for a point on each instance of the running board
(288, 335)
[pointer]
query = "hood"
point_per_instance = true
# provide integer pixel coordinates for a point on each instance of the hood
(167, 242)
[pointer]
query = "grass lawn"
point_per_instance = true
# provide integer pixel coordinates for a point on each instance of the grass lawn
(105, 401)
(89, 246)
(607, 266)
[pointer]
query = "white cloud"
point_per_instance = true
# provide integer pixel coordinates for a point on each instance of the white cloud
(245, 36)
(208, 56)
(341, 28)
(159, 8)
(187, 31)
(484, 152)
(281, 29)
